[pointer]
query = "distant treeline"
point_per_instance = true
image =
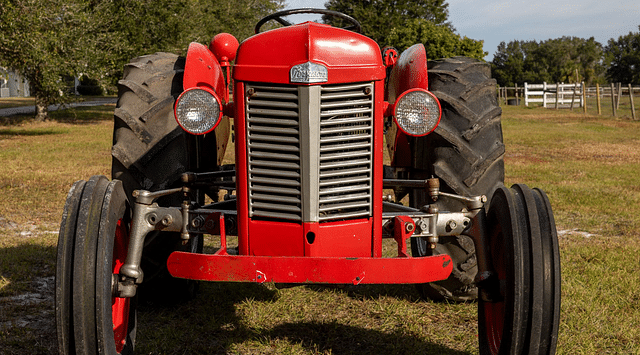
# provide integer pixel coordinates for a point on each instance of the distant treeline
(556, 60)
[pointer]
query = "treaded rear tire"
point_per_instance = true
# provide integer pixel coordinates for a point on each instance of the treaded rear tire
(150, 151)
(466, 152)
(148, 146)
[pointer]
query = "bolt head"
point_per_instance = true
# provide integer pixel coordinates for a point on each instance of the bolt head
(167, 220)
(409, 227)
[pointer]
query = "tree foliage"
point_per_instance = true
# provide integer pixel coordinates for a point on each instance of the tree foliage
(439, 41)
(623, 58)
(44, 41)
(554, 60)
(139, 27)
(380, 17)
(47, 41)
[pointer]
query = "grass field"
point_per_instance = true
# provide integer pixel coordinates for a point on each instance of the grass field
(16, 102)
(588, 165)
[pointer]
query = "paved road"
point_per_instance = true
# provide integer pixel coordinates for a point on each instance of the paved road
(26, 110)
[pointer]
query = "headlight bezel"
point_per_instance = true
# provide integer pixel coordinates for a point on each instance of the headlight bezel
(204, 96)
(430, 120)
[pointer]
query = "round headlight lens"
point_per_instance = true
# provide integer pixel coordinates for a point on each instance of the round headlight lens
(417, 112)
(198, 111)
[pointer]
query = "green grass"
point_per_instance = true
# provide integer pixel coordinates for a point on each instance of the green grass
(8, 102)
(588, 165)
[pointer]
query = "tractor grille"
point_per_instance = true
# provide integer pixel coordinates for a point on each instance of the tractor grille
(310, 151)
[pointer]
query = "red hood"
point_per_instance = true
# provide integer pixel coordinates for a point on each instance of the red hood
(269, 56)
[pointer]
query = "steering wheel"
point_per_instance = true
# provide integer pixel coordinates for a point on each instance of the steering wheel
(355, 25)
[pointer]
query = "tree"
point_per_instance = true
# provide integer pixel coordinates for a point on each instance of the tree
(439, 40)
(47, 41)
(237, 17)
(44, 41)
(623, 58)
(138, 27)
(379, 17)
(553, 60)
(508, 63)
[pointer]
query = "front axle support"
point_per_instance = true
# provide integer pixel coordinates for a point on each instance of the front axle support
(400, 222)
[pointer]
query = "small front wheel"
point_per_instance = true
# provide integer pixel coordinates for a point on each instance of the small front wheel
(93, 245)
(523, 314)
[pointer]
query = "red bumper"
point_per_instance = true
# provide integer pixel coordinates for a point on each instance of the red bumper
(309, 269)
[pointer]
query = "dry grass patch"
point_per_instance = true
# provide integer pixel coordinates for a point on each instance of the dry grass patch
(601, 153)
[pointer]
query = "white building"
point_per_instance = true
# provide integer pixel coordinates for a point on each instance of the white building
(13, 85)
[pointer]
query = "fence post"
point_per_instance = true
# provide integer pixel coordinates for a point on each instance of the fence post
(584, 98)
(544, 94)
(557, 97)
(633, 106)
(613, 101)
(598, 98)
(573, 96)
(526, 94)
(618, 96)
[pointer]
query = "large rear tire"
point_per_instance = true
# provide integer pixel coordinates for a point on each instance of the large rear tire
(150, 151)
(466, 153)
(523, 315)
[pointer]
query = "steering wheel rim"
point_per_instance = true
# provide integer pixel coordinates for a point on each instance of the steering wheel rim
(355, 27)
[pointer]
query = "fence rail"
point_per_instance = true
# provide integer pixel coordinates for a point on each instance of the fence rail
(561, 95)
(555, 94)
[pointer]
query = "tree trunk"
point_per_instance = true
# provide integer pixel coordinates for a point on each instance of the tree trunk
(42, 112)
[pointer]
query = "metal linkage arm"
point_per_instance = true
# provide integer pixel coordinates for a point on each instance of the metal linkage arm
(147, 217)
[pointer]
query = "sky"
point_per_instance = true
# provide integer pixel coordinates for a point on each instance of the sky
(496, 21)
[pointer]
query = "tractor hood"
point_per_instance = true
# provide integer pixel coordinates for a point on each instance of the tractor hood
(308, 53)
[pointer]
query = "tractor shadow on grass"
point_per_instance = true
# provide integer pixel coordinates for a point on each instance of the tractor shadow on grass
(251, 318)
(223, 318)
(27, 324)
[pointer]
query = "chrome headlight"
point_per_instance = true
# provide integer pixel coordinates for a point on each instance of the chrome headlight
(198, 110)
(417, 112)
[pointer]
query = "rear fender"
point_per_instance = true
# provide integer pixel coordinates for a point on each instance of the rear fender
(409, 72)
(203, 69)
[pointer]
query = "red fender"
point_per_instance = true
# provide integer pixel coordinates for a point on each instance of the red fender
(203, 69)
(409, 72)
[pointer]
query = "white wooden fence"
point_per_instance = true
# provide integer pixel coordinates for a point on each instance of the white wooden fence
(573, 95)
(558, 94)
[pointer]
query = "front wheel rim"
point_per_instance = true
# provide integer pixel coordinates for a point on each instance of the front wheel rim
(120, 306)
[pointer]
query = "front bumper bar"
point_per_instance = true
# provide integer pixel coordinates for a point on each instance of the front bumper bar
(302, 269)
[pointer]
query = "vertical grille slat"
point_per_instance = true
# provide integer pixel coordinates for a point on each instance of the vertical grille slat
(310, 151)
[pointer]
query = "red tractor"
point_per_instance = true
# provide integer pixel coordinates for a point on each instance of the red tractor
(311, 108)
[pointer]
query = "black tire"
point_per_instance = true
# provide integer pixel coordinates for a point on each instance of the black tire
(466, 153)
(150, 151)
(64, 269)
(94, 228)
(84, 265)
(115, 316)
(523, 315)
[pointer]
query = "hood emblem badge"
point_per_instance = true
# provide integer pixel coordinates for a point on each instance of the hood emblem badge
(308, 73)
